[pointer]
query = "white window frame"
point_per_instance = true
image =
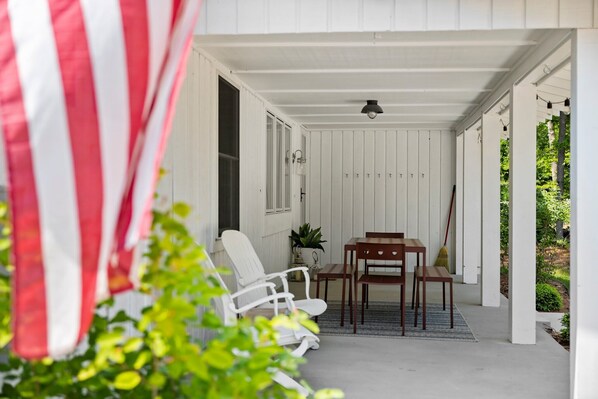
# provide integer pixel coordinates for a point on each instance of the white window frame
(278, 154)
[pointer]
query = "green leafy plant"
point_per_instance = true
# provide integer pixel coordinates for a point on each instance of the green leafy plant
(307, 237)
(548, 299)
(544, 270)
(161, 358)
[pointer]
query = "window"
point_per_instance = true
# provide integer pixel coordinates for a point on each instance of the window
(228, 156)
(278, 169)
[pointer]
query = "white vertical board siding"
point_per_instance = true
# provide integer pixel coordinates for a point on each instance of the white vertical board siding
(358, 186)
(391, 182)
(302, 16)
(435, 221)
(447, 181)
(475, 14)
(412, 190)
(401, 181)
(443, 14)
(314, 196)
(351, 202)
(423, 223)
(368, 181)
(326, 194)
(380, 180)
(348, 179)
(472, 204)
(458, 269)
(336, 228)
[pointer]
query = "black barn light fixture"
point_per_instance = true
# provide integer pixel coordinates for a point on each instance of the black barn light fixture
(372, 109)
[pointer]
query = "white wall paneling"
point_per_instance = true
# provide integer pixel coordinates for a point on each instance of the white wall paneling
(379, 178)
(296, 16)
(336, 218)
(447, 181)
(315, 176)
(358, 186)
(391, 181)
(401, 181)
(389, 199)
(459, 206)
(348, 179)
(326, 193)
(412, 189)
(368, 181)
(472, 205)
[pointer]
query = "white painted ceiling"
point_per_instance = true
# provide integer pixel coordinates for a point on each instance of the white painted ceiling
(421, 79)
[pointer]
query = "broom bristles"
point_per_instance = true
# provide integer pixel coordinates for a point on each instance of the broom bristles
(442, 259)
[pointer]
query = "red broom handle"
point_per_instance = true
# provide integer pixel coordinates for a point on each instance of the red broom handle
(449, 218)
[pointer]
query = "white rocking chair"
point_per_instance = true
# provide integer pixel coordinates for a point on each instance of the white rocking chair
(302, 339)
(249, 271)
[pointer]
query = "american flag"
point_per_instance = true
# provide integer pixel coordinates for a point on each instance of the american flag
(87, 93)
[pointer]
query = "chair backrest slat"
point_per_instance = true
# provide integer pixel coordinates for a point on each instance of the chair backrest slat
(394, 252)
(380, 234)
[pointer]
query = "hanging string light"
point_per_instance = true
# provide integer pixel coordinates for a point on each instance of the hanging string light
(504, 127)
(566, 102)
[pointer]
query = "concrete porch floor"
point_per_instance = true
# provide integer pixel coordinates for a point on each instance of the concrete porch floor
(365, 367)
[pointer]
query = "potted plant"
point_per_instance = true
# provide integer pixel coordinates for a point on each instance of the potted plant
(306, 243)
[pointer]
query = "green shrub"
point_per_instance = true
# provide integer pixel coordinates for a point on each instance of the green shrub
(544, 270)
(548, 299)
(565, 330)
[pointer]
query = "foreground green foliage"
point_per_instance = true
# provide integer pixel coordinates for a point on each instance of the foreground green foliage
(158, 357)
(548, 299)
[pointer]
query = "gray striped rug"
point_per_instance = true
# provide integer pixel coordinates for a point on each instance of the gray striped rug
(383, 319)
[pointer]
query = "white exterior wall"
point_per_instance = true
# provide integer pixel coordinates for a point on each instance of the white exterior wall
(192, 163)
(381, 180)
(302, 16)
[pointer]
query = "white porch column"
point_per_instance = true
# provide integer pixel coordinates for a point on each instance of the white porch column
(472, 204)
(491, 128)
(459, 207)
(522, 215)
(584, 214)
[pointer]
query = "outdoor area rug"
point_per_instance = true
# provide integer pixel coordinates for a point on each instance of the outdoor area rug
(383, 319)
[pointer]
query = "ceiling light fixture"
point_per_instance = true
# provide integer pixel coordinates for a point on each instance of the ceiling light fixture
(372, 109)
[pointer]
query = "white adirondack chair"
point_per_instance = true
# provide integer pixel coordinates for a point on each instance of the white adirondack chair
(301, 340)
(249, 271)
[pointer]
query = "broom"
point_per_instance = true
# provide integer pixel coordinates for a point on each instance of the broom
(442, 259)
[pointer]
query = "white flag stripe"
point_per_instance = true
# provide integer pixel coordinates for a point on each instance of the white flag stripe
(52, 161)
(151, 155)
(107, 50)
(159, 17)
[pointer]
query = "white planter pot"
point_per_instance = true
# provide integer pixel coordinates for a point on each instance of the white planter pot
(310, 256)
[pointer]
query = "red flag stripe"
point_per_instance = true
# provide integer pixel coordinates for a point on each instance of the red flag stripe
(28, 309)
(77, 79)
(105, 35)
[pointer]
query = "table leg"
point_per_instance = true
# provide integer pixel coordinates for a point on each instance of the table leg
(343, 293)
(352, 281)
(424, 294)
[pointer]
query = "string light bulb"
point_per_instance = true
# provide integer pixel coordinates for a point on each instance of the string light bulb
(549, 105)
(567, 102)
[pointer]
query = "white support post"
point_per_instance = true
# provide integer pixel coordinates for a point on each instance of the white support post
(522, 215)
(584, 214)
(491, 128)
(472, 204)
(459, 207)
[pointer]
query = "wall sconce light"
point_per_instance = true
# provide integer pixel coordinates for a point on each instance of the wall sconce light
(372, 109)
(301, 160)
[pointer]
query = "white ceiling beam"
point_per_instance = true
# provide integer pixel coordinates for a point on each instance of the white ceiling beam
(431, 90)
(552, 71)
(386, 105)
(457, 115)
(554, 41)
(366, 70)
(422, 43)
(379, 123)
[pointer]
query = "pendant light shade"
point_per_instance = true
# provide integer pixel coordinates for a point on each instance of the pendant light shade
(372, 109)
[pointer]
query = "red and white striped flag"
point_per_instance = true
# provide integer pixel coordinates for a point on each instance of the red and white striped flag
(87, 93)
